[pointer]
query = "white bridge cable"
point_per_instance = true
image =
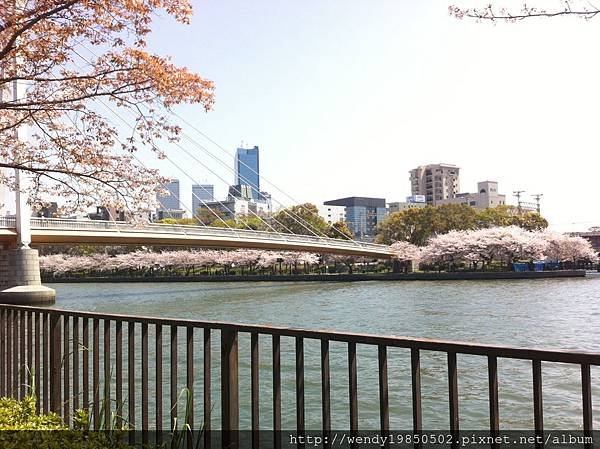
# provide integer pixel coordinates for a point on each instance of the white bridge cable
(214, 173)
(298, 219)
(294, 216)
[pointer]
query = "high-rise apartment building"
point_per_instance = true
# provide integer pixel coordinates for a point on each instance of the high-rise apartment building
(436, 181)
(201, 194)
(247, 169)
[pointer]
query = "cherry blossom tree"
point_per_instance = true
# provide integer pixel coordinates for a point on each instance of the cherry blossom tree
(404, 251)
(504, 245)
(74, 60)
(562, 247)
(446, 249)
(491, 12)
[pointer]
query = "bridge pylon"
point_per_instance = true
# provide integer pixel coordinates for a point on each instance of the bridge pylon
(20, 279)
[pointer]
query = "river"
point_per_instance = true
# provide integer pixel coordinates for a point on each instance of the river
(552, 313)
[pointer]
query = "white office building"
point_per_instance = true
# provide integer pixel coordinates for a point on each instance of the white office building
(332, 214)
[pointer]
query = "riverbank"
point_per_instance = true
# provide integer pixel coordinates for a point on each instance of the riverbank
(357, 277)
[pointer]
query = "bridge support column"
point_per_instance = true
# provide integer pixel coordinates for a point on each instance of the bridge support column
(20, 280)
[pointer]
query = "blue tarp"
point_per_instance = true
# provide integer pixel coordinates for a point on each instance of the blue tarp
(520, 267)
(538, 266)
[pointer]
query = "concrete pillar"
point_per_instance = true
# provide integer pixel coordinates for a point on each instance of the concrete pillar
(20, 281)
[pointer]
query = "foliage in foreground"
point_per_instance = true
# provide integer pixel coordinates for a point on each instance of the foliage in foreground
(22, 427)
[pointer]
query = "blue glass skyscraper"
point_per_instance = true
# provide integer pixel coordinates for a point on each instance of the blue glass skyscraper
(247, 169)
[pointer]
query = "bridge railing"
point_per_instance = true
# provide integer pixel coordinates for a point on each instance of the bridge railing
(7, 222)
(99, 225)
(138, 365)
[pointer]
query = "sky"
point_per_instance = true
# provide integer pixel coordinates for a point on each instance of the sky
(345, 97)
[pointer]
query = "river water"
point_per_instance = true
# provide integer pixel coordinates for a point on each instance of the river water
(561, 313)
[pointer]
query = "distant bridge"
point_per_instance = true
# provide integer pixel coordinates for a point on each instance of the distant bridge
(57, 231)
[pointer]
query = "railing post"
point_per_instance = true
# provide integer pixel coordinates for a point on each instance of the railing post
(55, 363)
(230, 411)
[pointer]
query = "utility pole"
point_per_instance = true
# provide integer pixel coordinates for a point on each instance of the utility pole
(537, 201)
(517, 193)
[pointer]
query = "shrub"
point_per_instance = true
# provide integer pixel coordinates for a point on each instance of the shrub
(21, 427)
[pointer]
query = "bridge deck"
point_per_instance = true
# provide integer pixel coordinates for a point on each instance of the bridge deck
(65, 231)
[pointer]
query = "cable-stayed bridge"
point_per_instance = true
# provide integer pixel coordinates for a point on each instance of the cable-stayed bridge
(287, 230)
(52, 231)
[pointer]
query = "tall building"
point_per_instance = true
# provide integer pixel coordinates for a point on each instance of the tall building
(169, 206)
(362, 214)
(436, 181)
(487, 196)
(202, 193)
(247, 169)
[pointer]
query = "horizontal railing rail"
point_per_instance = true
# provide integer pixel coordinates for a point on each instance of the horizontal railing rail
(57, 346)
(114, 226)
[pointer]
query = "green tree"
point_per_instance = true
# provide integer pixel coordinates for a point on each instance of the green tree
(302, 219)
(531, 221)
(511, 216)
(187, 221)
(454, 216)
(340, 230)
(167, 221)
(411, 225)
(252, 222)
(495, 216)
(210, 217)
(417, 225)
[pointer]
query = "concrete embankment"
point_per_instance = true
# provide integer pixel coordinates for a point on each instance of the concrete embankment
(458, 276)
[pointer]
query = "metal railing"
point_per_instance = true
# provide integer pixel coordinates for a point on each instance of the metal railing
(115, 226)
(72, 356)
